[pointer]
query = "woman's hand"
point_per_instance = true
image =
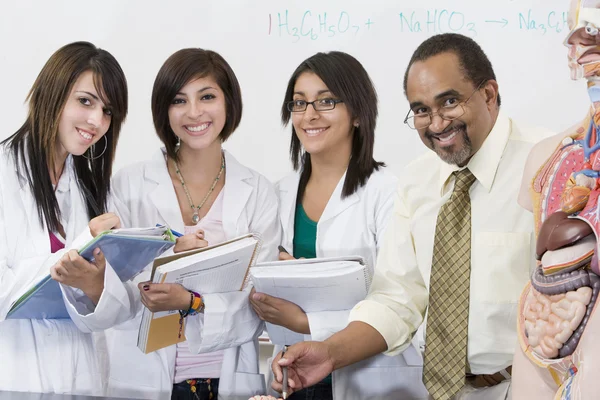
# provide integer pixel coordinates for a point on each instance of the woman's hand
(164, 296)
(279, 312)
(190, 241)
(283, 256)
(75, 271)
(103, 223)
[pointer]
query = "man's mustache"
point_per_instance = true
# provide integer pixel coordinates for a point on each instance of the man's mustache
(431, 135)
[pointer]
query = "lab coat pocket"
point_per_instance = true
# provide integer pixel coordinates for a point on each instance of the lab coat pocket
(504, 259)
(380, 377)
(133, 374)
(242, 385)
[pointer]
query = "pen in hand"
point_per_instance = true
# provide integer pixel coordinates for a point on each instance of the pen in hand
(285, 375)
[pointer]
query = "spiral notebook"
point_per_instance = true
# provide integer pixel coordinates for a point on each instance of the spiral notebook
(215, 269)
(317, 284)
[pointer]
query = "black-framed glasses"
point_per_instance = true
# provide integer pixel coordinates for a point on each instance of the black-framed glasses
(318, 105)
(448, 113)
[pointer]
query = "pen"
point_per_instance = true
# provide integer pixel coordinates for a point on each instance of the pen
(285, 375)
(174, 232)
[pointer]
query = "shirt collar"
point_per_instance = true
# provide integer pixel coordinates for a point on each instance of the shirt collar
(64, 182)
(484, 163)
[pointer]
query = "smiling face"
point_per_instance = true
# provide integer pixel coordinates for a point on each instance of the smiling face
(320, 131)
(583, 41)
(84, 119)
(197, 114)
(439, 82)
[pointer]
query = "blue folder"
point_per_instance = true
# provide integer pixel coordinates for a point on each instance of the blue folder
(128, 255)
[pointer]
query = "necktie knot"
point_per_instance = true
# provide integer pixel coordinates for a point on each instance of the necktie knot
(464, 180)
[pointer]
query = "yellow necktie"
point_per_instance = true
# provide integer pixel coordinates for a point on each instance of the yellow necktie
(448, 319)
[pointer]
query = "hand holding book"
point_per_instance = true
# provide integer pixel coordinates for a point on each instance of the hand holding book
(75, 271)
(164, 296)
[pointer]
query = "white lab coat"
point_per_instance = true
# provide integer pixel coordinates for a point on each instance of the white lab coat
(355, 225)
(50, 356)
(143, 195)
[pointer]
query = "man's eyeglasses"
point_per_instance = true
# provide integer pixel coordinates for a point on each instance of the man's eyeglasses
(318, 105)
(449, 112)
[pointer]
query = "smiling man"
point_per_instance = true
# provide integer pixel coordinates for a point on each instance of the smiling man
(458, 241)
(440, 97)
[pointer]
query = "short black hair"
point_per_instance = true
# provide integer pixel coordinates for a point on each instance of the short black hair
(348, 80)
(473, 61)
(179, 69)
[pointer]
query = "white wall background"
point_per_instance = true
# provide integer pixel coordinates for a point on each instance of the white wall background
(265, 40)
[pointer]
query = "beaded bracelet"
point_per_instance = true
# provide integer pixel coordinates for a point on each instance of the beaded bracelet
(197, 304)
(185, 313)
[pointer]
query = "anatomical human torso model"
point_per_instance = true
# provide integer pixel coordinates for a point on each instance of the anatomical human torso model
(558, 322)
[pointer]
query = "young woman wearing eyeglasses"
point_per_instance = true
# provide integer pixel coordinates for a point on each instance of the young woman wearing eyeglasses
(337, 203)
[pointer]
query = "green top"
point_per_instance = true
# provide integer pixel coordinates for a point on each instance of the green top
(305, 242)
(305, 234)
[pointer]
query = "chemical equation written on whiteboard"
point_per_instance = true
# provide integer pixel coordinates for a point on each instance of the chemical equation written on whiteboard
(445, 20)
(312, 25)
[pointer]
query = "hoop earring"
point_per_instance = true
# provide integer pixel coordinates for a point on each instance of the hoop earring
(94, 146)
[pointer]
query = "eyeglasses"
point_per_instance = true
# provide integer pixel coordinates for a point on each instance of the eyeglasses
(318, 105)
(448, 113)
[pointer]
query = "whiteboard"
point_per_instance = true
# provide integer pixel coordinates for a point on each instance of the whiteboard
(264, 41)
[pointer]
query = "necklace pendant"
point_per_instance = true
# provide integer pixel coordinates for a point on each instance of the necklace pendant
(195, 218)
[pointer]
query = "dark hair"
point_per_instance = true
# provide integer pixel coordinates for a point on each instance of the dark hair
(179, 69)
(347, 79)
(474, 63)
(34, 144)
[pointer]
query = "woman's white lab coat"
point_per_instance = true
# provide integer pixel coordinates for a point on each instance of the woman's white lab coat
(42, 355)
(355, 226)
(143, 195)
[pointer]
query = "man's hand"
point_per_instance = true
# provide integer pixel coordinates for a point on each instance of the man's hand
(307, 362)
(103, 223)
(75, 271)
(164, 296)
(279, 312)
(190, 242)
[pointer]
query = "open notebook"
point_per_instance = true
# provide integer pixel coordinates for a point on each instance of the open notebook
(215, 269)
(128, 251)
(317, 284)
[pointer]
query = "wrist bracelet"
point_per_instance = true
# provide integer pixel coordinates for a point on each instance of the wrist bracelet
(197, 304)
(185, 313)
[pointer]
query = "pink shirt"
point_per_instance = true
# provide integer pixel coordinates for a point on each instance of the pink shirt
(55, 243)
(206, 365)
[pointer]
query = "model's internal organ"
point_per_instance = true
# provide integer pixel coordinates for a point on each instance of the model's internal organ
(564, 286)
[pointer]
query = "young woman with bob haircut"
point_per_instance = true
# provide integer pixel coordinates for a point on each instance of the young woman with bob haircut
(201, 190)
